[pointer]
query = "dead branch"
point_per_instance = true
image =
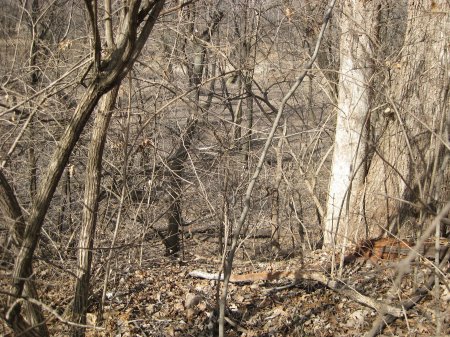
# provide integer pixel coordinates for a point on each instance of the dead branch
(338, 286)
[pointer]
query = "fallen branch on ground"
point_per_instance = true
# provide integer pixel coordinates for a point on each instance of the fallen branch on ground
(338, 286)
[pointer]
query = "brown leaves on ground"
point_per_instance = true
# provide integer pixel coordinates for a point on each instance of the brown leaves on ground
(159, 299)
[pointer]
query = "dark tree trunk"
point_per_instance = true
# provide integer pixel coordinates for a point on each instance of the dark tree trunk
(177, 160)
(105, 76)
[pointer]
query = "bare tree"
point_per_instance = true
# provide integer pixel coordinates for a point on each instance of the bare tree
(90, 209)
(106, 72)
(239, 228)
(409, 170)
(225, 128)
(176, 161)
(358, 25)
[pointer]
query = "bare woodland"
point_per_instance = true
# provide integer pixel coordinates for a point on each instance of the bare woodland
(224, 168)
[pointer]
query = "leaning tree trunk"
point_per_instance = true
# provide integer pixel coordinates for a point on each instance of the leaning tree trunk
(407, 172)
(13, 215)
(106, 74)
(358, 23)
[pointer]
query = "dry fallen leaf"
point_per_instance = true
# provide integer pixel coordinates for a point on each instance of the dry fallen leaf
(192, 300)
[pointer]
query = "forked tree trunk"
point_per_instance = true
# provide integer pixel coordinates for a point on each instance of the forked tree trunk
(358, 23)
(408, 162)
(105, 76)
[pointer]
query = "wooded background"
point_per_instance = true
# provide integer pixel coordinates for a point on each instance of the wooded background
(237, 129)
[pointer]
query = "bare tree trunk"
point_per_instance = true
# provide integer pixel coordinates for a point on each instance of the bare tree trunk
(32, 162)
(91, 193)
(239, 228)
(12, 212)
(177, 160)
(123, 192)
(50, 181)
(65, 216)
(275, 193)
(90, 208)
(358, 23)
(237, 120)
(406, 173)
(106, 75)
(247, 32)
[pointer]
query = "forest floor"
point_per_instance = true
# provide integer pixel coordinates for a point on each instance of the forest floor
(159, 298)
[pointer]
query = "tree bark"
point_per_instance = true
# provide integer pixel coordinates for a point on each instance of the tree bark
(13, 213)
(358, 23)
(407, 168)
(109, 74)
(90, 208)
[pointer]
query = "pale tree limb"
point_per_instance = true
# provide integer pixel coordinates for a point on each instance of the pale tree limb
(338, 286)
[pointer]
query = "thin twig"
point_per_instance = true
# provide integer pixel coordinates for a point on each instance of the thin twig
(239, 226)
